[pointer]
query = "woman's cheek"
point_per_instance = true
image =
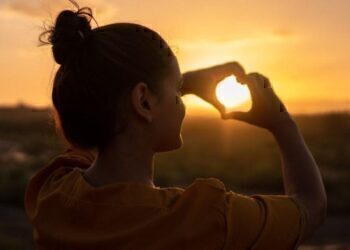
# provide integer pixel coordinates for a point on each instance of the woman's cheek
(180, 102)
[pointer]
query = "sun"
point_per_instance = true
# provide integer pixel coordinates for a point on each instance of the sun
(231, 93)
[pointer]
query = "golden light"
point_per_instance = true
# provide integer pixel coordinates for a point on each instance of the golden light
(231, 93)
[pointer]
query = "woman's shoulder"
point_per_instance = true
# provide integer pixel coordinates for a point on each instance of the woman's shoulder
(209, 181)
(198, 188)
(197, 183)
(201, 194)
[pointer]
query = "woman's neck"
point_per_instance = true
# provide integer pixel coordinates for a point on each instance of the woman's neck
(123, 162)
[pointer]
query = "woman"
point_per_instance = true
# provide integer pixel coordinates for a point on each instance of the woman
(118, 93)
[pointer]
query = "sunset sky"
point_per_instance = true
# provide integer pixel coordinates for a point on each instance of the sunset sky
(302, 46)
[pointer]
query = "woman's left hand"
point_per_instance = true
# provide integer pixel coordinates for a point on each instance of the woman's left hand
(203, 82)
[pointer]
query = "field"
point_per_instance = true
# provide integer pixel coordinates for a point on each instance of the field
(244, 157)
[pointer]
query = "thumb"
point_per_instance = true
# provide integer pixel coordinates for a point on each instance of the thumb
(238, 115)
(220, 107)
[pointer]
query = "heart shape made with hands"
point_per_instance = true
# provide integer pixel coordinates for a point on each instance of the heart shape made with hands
(233, 94)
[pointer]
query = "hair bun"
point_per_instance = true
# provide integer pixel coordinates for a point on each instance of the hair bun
(70, 31)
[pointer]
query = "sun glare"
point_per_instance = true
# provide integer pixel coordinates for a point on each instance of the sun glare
(231, 93)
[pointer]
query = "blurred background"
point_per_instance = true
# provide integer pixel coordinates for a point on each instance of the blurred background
(301, 46)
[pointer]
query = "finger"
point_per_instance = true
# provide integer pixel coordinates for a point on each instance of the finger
(241, 80)
(263, 81)
(258, 84)
(222, 71)
(219, 106)
(212, 100)
(266, 83)
(251, 80)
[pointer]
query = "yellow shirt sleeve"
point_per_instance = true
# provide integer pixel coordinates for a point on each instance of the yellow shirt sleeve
(263, 221)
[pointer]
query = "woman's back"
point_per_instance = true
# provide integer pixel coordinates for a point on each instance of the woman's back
(69, 213)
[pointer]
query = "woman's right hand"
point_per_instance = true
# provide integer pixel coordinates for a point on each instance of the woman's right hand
(267, 110)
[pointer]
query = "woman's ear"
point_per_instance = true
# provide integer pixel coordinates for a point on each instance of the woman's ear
(141, 101)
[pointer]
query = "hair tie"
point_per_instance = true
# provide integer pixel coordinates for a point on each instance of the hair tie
(81, 34)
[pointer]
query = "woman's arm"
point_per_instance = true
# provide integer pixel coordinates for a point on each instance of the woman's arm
(301, 176)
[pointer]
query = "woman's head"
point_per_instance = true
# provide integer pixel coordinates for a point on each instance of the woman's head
(115, 79)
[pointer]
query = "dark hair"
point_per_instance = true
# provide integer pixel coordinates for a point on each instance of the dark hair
(98, 68)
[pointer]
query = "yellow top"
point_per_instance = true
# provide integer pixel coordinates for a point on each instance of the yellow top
(68, 213)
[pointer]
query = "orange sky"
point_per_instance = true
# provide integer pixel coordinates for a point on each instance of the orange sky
(303, 46)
